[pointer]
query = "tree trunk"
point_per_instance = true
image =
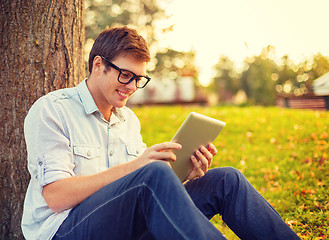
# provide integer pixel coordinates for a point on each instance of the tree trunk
(41, 50)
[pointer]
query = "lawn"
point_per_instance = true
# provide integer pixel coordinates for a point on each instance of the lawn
(282, 152)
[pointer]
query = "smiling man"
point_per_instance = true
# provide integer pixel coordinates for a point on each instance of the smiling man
(92, 176)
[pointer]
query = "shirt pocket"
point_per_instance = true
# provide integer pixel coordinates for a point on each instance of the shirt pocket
(88, 159)
(134, 150)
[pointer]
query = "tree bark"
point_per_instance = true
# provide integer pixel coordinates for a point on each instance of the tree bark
(41, 50)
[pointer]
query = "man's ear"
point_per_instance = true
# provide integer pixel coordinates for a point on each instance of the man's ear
(98, 65)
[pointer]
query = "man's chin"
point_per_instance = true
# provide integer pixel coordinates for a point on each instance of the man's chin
(121, 104)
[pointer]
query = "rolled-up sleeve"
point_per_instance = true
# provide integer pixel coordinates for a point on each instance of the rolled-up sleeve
(50, 156)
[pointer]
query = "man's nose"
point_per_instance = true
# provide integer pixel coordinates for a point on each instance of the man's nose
(132, 85)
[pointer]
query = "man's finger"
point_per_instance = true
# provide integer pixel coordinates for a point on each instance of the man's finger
(212, 149)
(206, 153)
(166, 146)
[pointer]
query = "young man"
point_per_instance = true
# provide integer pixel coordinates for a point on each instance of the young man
(92, 176)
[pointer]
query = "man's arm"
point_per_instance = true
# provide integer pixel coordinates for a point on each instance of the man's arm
(69, 192)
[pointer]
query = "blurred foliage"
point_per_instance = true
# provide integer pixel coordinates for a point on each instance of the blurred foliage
(146, 16)
(140, 14)
(262, 78)
(254, 79)
(226, 82)
(173, 64)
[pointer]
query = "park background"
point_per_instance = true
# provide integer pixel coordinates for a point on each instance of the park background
(230, 61)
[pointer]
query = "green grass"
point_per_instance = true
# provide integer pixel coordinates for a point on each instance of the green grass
(282, 152)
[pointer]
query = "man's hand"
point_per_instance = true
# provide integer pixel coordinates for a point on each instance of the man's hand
(159, 152)
(201, 160)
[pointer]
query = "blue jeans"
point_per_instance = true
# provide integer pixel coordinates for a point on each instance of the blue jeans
(151, 203)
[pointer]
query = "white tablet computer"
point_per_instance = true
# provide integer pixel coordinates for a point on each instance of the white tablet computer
(197, 130)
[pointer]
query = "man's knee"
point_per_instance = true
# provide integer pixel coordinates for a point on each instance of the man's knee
(158, 169)
(235, 181)
(233, 173)
(231, 177)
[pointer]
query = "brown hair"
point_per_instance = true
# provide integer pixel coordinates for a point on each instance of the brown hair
(112, 42)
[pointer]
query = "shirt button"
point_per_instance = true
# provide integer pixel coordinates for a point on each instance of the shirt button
(137, 152)
(40, 163)
(88, 153)
(111, 153)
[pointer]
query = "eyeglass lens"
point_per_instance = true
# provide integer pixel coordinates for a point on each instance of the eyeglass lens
(126, 76)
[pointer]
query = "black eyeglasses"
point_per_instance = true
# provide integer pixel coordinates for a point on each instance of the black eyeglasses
(126, 76)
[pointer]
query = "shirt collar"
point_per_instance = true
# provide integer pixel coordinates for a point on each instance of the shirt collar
(117, 116)
(86, 98)
(90, 105)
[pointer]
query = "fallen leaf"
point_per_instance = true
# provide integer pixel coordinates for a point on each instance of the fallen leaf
(324, 135)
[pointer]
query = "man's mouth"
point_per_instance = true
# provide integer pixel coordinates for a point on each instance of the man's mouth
(122, 94)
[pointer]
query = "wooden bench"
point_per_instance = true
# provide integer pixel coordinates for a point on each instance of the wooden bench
(308, 101)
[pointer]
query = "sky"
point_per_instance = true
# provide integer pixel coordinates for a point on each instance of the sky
(242, 28)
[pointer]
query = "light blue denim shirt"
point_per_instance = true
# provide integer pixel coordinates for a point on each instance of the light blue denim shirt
(67, 136)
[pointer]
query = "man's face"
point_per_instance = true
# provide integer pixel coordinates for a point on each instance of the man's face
(112, 93)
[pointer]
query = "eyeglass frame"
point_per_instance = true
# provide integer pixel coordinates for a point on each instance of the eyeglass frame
(134, 77)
